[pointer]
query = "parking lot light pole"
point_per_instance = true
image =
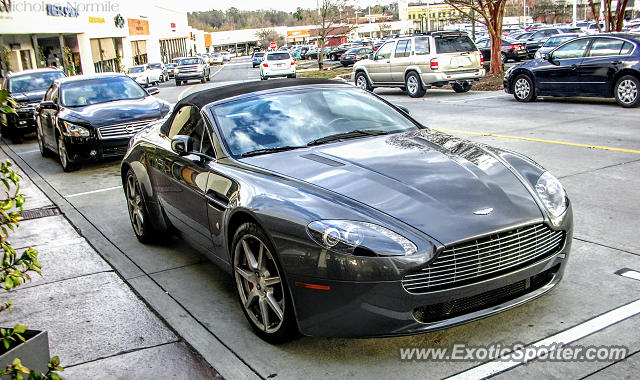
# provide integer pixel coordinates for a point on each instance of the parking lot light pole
(575, 12)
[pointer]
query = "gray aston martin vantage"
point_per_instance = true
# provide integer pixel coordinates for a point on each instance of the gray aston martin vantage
(337, 214)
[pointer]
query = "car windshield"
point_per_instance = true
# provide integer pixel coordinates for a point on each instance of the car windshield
(453, 43)
(352, 51)
(557, 41)
(136, 69)
(297, 118)
(155, 65)
(278, 56)
(100, 90)
(189, 61)
(33, 82)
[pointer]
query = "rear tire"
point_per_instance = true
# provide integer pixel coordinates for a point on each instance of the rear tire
(177, 83)
(413, 84)
(44, 151)
(503, 58)
(460, 88)
(523, 89)
(363, 82)
(137, 208)
(627, 91)
(261, 286)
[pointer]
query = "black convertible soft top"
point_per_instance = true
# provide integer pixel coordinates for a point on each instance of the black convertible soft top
(202, 98)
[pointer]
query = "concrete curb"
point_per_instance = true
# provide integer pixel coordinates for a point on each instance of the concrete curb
(215, 353)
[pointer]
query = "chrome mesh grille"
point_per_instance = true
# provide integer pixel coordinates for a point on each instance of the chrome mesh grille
(488, 256)
(123, 130)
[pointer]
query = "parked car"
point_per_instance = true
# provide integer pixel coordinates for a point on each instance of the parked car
(417, 63)
(190, 68)
(170, 68)
(606, 65)
(90, 117)
(226, 56)
(27, 88)
(257, 58)
(337, 51)
(354, 55)
(217, 58)
(522, 36)
(511, 49)
(395, 227)
(162, 70)
(539, 37)
(144, 75)
(277, 64)
(555, 41)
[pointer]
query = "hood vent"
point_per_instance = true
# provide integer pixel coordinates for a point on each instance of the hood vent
(322, 160)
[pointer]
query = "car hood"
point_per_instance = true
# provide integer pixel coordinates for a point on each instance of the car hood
(429, 180)
(117, 112)
(28, 97)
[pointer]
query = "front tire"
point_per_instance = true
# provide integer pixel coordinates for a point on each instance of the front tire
(503, 58)
(177, 83)
(261, 287)
(627, 91)
(413, 85)
(67, 165)
(523, 89)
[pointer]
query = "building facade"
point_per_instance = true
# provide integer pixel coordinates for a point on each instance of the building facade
(88, 37)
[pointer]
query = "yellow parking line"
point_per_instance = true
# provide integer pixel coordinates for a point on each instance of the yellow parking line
(541, 141)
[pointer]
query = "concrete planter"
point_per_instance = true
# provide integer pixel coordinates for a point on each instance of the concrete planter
(34, 354)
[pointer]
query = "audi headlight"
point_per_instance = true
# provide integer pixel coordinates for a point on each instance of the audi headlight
(75, 130)
(359, 238)
(551, 194)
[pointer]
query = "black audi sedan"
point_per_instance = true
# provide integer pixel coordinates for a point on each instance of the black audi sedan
(604, 65)
(337, 214)
(27, 88)
(91, 117)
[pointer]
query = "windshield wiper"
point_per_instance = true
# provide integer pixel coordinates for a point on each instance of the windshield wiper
(347, 135)
(258, 152)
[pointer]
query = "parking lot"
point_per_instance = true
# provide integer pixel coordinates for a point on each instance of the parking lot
(592, 146)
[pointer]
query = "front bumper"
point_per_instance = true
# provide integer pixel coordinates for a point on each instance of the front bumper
(24, 120)
(186, 76)
(84, 149)
(361, 309)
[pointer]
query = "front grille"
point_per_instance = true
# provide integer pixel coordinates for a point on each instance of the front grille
(123, 129)
(114, 151)
(486, 257)
(451, 309)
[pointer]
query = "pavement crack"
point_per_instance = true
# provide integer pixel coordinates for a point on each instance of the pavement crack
(606, 246)
(597, 169)
(610, 365)
(28, 286)
(122, 353)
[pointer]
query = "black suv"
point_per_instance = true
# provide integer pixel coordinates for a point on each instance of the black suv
(27, 88)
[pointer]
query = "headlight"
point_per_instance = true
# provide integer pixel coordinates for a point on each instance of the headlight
(175, 71)
(551, 194)
(343, 236)
(537, 55)
(71, 129)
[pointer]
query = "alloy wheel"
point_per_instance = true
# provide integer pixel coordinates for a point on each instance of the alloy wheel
(627, 91)
(43, 150)
(361, 82)
(522, 88)
(412, 84)
(62, 153)
(259, 284)
(134, 205)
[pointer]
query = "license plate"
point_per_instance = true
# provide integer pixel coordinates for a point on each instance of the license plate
(460, 61)
(279, 65)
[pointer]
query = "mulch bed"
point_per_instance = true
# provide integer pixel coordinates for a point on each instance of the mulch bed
(491, 82)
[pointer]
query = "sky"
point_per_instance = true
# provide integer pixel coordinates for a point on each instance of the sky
(281, 5)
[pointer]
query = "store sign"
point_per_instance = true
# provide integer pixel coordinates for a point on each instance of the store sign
(298, 33)
(61, 11)
(207, 40)
(138, 27)
(96, 20)
(173, 24)
(5, 6)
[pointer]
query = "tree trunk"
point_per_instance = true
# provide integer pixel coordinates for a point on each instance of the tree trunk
(321, 54)
(496, 53)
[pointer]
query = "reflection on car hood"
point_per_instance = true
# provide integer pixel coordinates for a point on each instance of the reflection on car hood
(120, 111)
(429, 180)
(28, 97)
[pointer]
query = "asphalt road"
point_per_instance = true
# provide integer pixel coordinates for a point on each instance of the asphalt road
(593, 146)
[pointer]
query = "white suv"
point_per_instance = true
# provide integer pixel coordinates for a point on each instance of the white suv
(416, 63)
(277, 64)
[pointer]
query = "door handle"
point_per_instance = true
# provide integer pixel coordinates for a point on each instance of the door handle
(216, 200)
(616, 62)
(574, 67)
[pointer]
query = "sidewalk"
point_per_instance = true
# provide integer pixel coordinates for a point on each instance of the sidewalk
(96, 324)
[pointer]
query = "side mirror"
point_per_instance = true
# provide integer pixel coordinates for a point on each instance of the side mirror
(48, 105)
(403, 109)
(370, 56)
(153, 90)
(180, 144)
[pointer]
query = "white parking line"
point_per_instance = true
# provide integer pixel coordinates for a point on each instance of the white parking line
(556, 341)
(193, 85)
(629, 273)
(93, 192)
